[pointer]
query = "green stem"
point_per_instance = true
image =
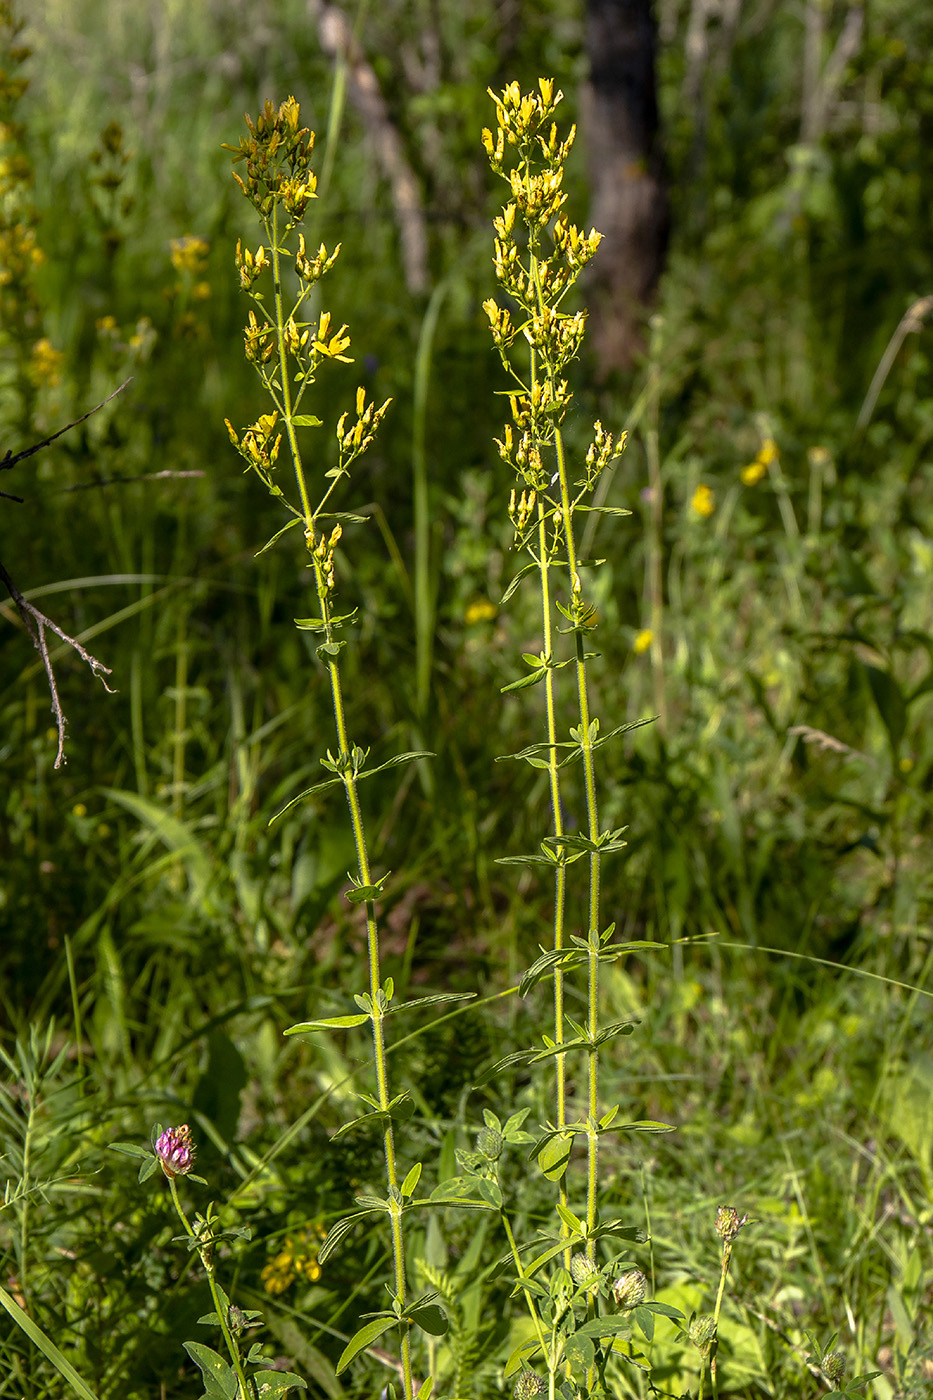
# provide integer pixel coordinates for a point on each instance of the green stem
(726, 1257)
(654, 577)
(220, 1307)
(356, 819)
(546, 1351)
(560, 875)
(592, 814)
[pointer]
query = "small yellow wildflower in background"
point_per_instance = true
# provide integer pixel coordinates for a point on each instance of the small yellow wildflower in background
(45, 364)
(297, 1258)
(643, 641)
(704, 502)
(79, 810)
(819, 457)
(480, 610)
(767, 453)
(905, 765)
(189, 254)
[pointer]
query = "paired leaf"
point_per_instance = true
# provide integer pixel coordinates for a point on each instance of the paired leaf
(219, 1377)
(363, 1339)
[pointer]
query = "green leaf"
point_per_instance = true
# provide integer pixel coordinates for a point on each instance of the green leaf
(644, 1317)
(426, 1387)
(515, 582)
(518, 1057)
(490, 1191)
(218, 1375)
(434, 1000)
(146, 1169)
(524, 682)
(338, 1231)
(131, 1149)
(306, 420)
(411, 1180)
(604, 1327)
(602, 510)
(329, 1023)
(664, 1310)
(272, 1383)
(889, 702)
(364, 894)
(363, 1338)
(573, 1222)
(645, 1125)
(47, 1347)
(431, 1318)
(296, 520)
(554, 1157)
(579, 1351)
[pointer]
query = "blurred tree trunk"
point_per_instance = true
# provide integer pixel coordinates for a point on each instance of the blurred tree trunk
(630, 205)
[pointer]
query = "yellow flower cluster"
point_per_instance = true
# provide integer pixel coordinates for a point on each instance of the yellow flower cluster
(767, 453)
(643, 640)
(45, 364)
(189, 254)
(296, 1259)
(479, 610)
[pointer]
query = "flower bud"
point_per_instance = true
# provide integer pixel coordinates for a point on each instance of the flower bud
(729, 1223)
(584, 1272)
(702, 1331)
(489, 1143)
(834, 1367)
(630, 1289)
(175, 1151)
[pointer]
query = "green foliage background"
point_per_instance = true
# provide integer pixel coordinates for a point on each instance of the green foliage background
(167, 934)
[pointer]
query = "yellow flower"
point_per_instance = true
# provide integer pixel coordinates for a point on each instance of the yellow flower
(819, 457)
(79, 810)
(480, 610)
(643, 641)
(768, 452)
(704, 502)
(189, 254)
(45, 363)
(752, 474)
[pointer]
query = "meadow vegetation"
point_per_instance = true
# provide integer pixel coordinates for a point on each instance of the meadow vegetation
(602, 934)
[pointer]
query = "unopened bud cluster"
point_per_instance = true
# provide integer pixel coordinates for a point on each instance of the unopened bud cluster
(538, 253)
(490, 1143)
(260, 443)
(584, 1272)
(521, 509)
(528, 1386)
(322, 555)
(702, 1332)
(355, 439)
(630, 1289)
(729, 1223)
(277, 154)
(833, 1367)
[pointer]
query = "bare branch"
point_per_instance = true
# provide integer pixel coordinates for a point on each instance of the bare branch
(35, 623)
(10, 461)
